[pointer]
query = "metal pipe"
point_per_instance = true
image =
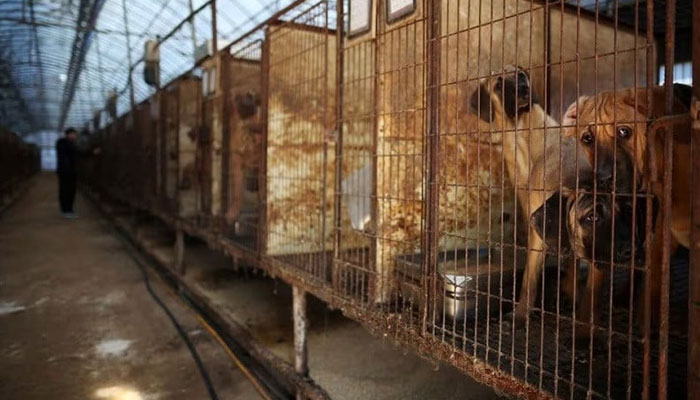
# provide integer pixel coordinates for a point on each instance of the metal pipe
(193, 33)
(263, 24)
(337, 198)
(667, 203)
(431, 236)
(214, 33)
(301, 366)
(129, 78)
(694, 269)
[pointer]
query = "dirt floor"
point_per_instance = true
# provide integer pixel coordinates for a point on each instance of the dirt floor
(76, 321)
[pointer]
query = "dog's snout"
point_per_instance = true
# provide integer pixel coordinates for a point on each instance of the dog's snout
(523, 84)
(605, 175)
(523, 90)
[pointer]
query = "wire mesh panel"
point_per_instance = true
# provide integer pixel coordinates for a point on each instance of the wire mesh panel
(169, 151)
(547, 263)
(354, 267)
(129, 142)
(299, 58)
(380, 222)
(400, 110)
(146, 136)
(121, 157)
(188, 183)
(210, 137)
(243, 149)
(180, 108)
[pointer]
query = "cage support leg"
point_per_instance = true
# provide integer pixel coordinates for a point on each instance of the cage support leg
(301, 365)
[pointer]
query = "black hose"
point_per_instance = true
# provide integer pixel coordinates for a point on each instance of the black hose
(178, 327)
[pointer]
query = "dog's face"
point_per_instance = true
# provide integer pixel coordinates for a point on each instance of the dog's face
(611, 127)
(247, 104)
(596, 227)
(501, 99)
(600, 229)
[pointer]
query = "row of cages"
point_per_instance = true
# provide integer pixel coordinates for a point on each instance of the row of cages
(503, 184)
(19, 160)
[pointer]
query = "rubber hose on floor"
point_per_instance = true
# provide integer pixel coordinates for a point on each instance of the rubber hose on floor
(178, 327)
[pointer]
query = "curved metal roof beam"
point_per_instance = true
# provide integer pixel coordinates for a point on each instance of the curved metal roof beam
(88, 14)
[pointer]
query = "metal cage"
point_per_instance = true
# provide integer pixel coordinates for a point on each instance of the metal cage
(504, 186)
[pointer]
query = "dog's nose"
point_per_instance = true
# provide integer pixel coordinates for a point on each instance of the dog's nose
(605, 176)
(624, 253)
(523, 88)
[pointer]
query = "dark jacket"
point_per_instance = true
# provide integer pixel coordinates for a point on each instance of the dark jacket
(66, 153)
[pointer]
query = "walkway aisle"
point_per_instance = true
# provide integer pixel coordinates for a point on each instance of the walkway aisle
(76, 321)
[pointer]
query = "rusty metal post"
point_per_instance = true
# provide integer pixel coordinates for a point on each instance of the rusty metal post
(431, 235)
(301, 324)
(337, 199)
(667, 203)
(214, 28)
(694, 272)
(262, 173)
(193, 32)
(180, 251)
(646, 325)
(130, 80)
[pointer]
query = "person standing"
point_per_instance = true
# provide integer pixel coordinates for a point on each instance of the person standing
(66, 153)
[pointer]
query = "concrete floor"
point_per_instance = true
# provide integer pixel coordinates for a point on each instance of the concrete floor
(344, 359)
(76, 321)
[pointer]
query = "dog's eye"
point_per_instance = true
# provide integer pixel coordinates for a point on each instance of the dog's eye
(587, 138)
(499, 83)
(591, 217)
(624, 132)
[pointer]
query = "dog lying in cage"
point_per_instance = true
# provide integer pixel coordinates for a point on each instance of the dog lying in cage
(547, 189)
(612, 127)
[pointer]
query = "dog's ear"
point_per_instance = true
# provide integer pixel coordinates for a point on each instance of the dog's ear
(683, 94)
(547, 222)
(480, 103)
(571, 114)
(682, 97)
(575, 166)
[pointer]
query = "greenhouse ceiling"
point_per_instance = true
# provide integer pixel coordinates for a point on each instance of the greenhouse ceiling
(60, 59)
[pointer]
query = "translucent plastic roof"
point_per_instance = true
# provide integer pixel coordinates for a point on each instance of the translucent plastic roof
(59, 59)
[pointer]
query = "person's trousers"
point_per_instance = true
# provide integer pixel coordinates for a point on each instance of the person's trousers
(66, 192)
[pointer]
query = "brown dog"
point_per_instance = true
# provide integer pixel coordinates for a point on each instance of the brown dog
(532, 150)
(612, 129)
(592, 232)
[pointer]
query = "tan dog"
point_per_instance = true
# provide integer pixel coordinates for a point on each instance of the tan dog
(612, 129)
(530, 137)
